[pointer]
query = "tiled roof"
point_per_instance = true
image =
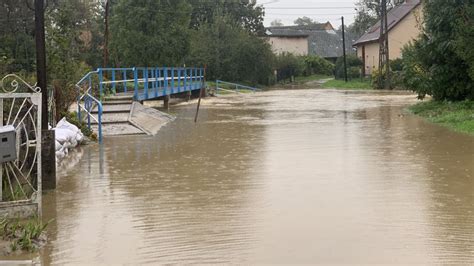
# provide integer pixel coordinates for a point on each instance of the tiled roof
(394, 16)
(328, 44)
(322, 42)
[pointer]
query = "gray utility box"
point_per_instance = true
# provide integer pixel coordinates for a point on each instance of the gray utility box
(7, 144)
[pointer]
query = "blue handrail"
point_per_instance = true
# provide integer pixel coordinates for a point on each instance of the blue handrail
(237, 86)
(87, 97)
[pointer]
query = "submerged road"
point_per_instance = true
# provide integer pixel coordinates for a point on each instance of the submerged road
(303, 176)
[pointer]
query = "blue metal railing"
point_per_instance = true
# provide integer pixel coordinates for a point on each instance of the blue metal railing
(149, 82)
(233, 85)
(143, 83)
(87, 102)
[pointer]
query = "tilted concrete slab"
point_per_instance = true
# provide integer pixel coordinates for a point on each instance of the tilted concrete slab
(148, 119)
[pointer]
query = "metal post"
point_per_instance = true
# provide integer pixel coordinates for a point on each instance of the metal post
(99, 108)
(157, 81)
(185, 78)
(125, 81)
(200, 96)
(135, 79)
(165, 81)
(145, 75)
(344, 49)
(179, 79)
(88, 107)
(113, 82)
(101, 80)
(172, 80)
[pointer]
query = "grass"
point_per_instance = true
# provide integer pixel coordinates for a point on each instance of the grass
(305, 79)
(351, 84)
(455, 115)
(23, 235)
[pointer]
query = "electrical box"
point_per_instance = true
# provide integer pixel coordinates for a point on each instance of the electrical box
(7, 144)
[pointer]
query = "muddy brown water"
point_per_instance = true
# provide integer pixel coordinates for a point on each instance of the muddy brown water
(303, 176)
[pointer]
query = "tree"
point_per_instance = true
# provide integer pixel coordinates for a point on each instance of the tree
(17, 46)
(245, 13)
(231, 52)
(465, 37)
(368, 13)
(149, 32)
(305, 21)
(276, 22)
(67, 39)
(439, 62)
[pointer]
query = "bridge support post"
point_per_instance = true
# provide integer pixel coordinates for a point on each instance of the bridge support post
(166, 102)
(188, 96)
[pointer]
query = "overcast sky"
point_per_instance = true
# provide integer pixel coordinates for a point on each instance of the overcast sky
(320, 10)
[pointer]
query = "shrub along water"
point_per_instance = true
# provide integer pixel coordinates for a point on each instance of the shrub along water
(440, 63)
(354, 65)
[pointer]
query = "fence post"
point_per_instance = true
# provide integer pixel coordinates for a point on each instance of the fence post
(125, 81)
(135, 79)
(113, 81)
(145, 75)
(172, 80)
(185, 79)
(100, 122)
(165, 81)
(217, 86)
(157, 80)
(194, 78)
(101, 79)
(179, 79)
(200, 76)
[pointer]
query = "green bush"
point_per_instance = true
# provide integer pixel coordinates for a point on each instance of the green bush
(288, 65)
(353, 62)
(396, 79)
(317, 65)
(396, 64)
(437, 64)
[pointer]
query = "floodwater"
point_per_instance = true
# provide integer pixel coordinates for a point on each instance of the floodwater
(302, 176)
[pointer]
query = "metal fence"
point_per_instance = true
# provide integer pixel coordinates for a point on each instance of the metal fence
(20, 147)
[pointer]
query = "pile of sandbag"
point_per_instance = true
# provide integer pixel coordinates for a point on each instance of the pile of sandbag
(68, 136)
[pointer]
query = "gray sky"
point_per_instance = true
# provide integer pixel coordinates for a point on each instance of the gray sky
(320, 10)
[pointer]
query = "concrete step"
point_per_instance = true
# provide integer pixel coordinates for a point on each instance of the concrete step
(115, 129)
(114, 117)
(114, 108)
(126, 97)
(117, 102)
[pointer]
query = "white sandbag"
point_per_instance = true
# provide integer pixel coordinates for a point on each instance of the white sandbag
(58, 145)
(79, 137)
(64, 135)
(60, 155)
(63, 123)
(71, 143)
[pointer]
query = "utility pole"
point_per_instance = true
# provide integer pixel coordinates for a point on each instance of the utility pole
(384, 66)
(344, 49)
(106, 34)
(48, 150)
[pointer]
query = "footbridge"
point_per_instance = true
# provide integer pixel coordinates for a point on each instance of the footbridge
(108, 97)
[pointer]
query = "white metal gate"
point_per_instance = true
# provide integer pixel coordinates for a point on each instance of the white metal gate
(20, 142)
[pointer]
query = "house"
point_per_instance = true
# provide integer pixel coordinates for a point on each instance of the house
(317, 39)
(403, 27)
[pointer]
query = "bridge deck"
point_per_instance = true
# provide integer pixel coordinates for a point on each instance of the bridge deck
(153, 92)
